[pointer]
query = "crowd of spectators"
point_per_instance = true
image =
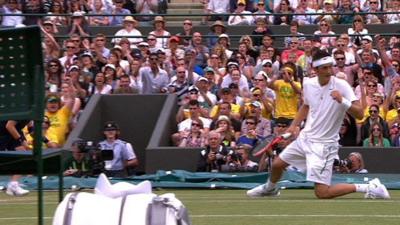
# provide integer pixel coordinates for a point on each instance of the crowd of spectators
(235, 95)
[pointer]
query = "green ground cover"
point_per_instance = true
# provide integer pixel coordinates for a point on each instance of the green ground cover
(232, 207)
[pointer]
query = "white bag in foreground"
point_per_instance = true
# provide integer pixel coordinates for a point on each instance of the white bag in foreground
(120, 204)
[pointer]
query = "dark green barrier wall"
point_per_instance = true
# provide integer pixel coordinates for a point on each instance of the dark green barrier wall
(135, 114)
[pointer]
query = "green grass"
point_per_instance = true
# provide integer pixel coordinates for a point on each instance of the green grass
(232, 207)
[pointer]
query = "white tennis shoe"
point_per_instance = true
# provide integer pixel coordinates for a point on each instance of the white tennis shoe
(14, 189)
(376, 190)
(261, 191)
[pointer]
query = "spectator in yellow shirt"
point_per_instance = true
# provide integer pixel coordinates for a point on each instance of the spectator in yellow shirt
(59, 115)
(288, 92)
(49, 140)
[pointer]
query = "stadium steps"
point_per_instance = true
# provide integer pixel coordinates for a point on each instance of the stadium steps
(184, 7)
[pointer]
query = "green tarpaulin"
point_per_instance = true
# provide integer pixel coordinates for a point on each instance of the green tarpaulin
(184, 179)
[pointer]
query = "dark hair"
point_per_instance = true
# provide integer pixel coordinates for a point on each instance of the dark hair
(124, 76)
(374, 105)
(339, 52)
(252, 118)
(294, 23)
(194, 102)
(319, 54)
(226, 103)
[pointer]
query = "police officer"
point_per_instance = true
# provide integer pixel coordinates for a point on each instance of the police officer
(124, 155)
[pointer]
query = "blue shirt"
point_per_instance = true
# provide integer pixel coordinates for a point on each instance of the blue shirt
(121, 154)
(118, 20)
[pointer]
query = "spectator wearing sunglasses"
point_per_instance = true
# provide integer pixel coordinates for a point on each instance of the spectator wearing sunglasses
(376, 137)
(251, 137)
(193, 138)
(372, 18)
(374, 118)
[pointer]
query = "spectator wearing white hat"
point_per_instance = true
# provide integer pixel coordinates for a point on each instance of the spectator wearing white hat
(223, 126)
(217, 28)
(160, 32)
(234, 75)
(79, 25)
(224, 41)
(263, 128)
(129, 31)
(366, 45)
(206, 98)
(266, 96)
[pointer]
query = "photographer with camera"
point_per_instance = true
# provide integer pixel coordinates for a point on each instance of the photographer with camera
(124, 156)
(354, 163)
(214, 156)
(238, 160)
(79, 165)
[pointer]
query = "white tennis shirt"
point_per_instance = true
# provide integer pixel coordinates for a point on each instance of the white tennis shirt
(325, 115)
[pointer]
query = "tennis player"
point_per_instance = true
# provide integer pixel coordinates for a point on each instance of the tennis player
(326, 101)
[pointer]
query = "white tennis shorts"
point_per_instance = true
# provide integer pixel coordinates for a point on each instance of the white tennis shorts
(314, 158)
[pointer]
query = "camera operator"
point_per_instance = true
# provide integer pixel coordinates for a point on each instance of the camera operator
(79, 165)
(354, 163)
(238, 160)
(214, 156)
(124, 155)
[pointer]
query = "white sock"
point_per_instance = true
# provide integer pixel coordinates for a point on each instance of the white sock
(361, 187)
(270, 185)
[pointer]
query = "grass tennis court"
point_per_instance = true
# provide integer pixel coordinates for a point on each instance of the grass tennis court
(223, 207)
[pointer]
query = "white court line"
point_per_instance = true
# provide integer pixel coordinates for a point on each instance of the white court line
(11, 202)
(293, 201)
(236, 215)
(300, 215)
(24, 218)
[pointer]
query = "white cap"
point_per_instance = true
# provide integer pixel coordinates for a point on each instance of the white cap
(367, 37)
(73, 67)
(223, 36)
(78, 14)
(232, 63)
(265, 61)
(143, 44)
(112, 66)
(256, 104)
(202, 79)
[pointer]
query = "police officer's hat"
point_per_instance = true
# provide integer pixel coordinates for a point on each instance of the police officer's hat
(111, 125)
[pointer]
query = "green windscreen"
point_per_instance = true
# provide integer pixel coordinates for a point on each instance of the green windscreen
(21, 74)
